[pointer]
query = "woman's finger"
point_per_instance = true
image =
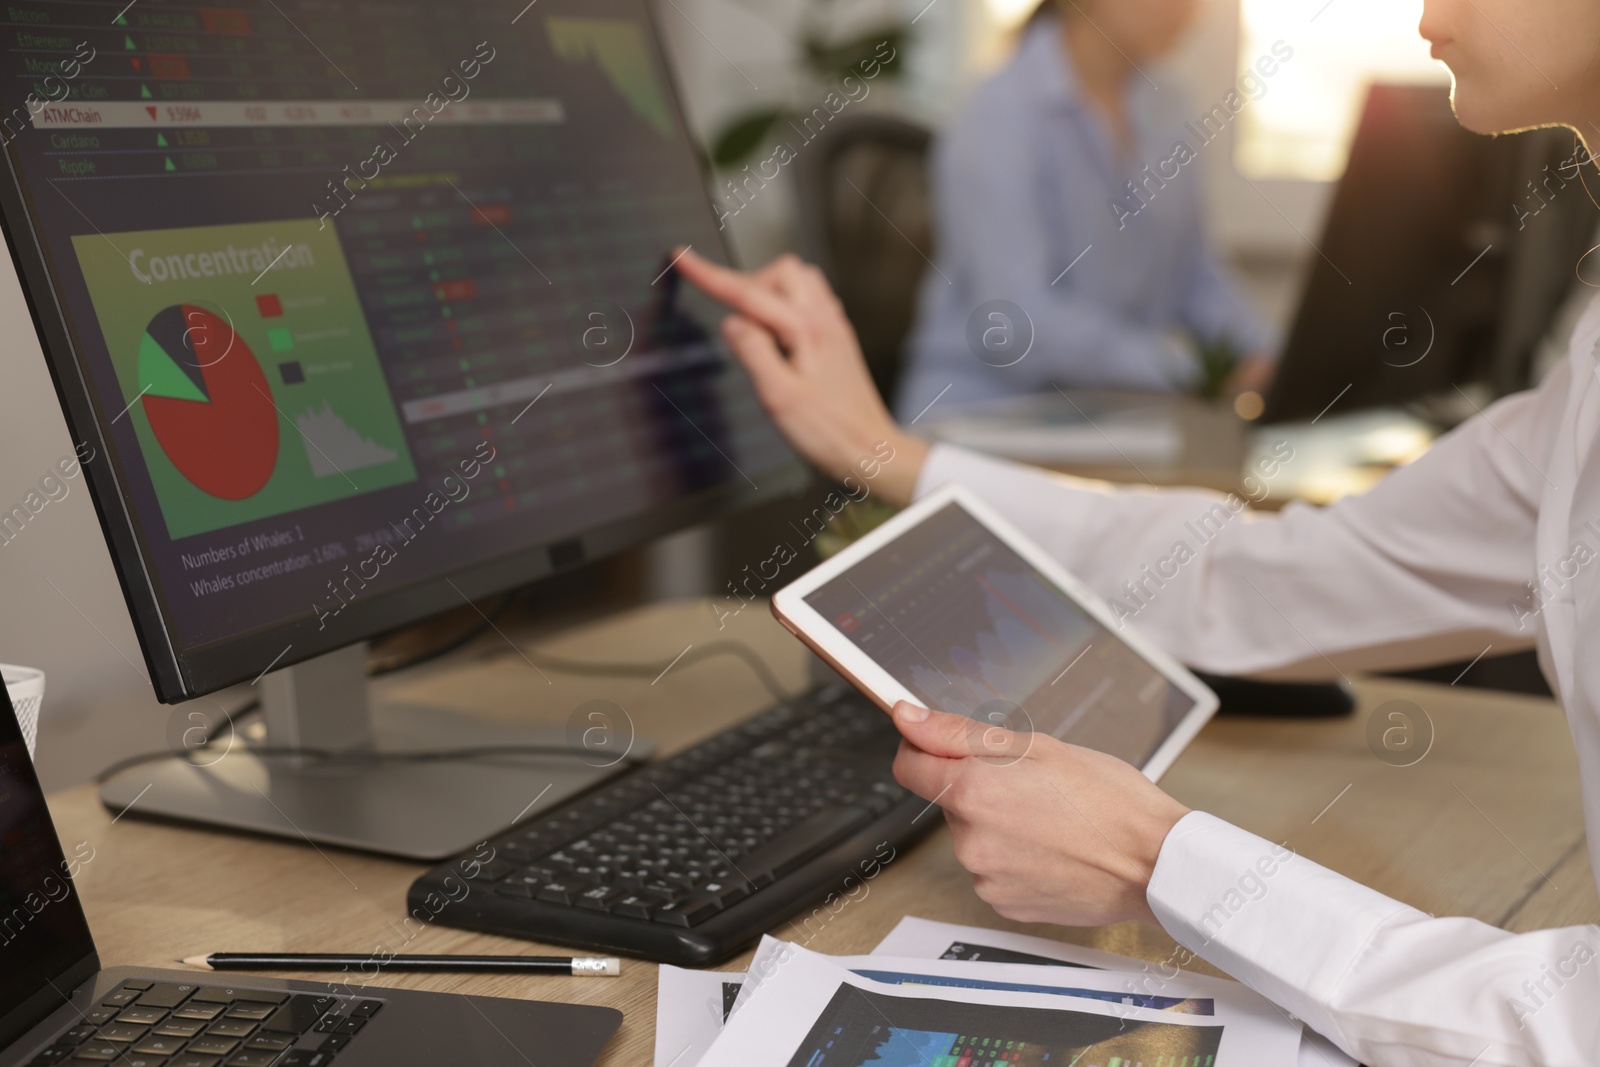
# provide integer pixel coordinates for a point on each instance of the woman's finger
(939, 733)
(759, 352)
(744, 294)
(930, 777)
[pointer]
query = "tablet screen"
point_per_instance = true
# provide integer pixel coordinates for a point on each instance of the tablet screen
(969, 626)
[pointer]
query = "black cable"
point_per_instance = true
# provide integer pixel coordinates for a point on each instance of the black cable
(481, 627)
(359, 757)
(558, 664)
(602, 669)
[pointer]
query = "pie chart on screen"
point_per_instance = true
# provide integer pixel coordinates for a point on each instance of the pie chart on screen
(208, 402)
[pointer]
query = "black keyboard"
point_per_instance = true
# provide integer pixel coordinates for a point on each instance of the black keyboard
(690, 859)
(174, 1024)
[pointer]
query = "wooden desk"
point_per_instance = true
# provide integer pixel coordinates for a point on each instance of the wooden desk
(1211, 453)
(1468, 830)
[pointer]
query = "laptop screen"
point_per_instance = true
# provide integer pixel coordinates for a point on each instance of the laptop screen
(43, 934)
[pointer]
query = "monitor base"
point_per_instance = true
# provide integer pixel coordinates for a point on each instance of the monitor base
(428, 809)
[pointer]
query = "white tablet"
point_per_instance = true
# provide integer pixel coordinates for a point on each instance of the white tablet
(949, 606)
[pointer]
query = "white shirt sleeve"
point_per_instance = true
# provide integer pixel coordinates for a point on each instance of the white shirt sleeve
(1390, 985)
(1432, 564)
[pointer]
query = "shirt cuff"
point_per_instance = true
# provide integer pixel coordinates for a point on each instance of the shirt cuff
(942, 465)
(1286, 927)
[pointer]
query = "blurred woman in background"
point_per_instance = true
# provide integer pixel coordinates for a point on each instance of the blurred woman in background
(1069, 158)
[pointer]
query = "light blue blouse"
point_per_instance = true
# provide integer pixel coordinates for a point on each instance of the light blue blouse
(1026, 181)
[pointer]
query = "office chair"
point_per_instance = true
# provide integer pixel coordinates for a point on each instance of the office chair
(867, 221)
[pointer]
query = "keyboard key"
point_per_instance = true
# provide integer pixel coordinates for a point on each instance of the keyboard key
(213, 1046)
(245, 1009)
(350, 1026)
(299, 1014)
(531, 876)
(686, 879)
(52, 1055)
(156, 1045)
(166, 995)
(791, 850)
(492, 871)
(228, 994)
(253, 1059)
(190, 1059)
(142, 1016)
(302, 1058)
(637, 905)
(97, 1016)
(122, 998)
(726, 893)
(180, 1028)
(660, 887)
(367, 1009)
(690, 911)
(333, 1043)
(97, 1050)
(77, 1035)
(232, 1028)
(123, 1033)
(561, 892)
(206, 1012)
(137, 983)
(269, 1043)
(599, 898)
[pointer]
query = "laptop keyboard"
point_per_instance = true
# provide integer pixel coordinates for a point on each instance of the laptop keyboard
(172, 1024)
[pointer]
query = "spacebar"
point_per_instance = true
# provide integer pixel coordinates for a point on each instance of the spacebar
(804, 840)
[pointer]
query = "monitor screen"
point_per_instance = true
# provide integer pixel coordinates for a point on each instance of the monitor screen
(370, 303)
(43, 934)
(956, 616)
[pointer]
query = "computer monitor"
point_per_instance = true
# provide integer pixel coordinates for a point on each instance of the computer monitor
(1444, 256)
(362, 311)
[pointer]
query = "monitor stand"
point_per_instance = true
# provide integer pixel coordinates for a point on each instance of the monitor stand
(415, 809)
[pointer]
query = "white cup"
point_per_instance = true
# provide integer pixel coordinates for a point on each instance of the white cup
(26, 688)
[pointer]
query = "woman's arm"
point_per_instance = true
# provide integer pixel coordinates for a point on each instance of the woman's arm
(1058, 834)
(1392, 986)
(1431, 565)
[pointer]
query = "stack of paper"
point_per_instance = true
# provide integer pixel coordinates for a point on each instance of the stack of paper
(937, 995)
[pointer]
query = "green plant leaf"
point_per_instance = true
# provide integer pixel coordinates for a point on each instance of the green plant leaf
(832, 61)
(1218, 360)
(740, 138)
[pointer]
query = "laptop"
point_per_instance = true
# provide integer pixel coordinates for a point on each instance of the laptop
(58, 1007)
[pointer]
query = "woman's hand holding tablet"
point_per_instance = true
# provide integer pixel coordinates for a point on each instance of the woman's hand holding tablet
(1062, 834)
(1049, 708)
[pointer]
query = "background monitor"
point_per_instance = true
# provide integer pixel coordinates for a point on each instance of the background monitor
(1444, 257)
(364, 311)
